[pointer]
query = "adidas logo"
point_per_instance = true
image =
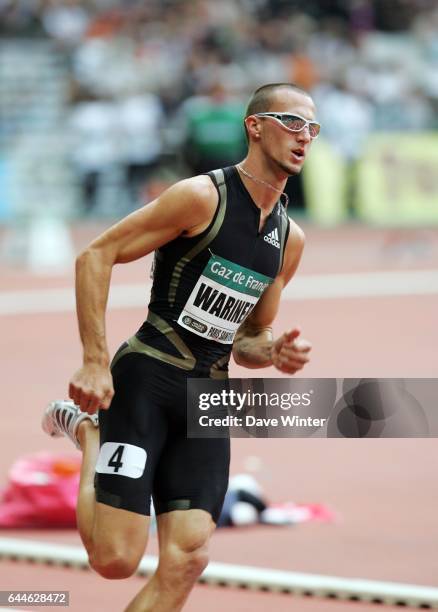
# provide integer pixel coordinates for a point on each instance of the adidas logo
(272, 238)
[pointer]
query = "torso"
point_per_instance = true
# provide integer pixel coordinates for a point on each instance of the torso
(205, 285)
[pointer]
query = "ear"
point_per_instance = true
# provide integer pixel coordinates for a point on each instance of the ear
(253, 125)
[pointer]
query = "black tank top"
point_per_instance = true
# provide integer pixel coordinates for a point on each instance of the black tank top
(205, 286)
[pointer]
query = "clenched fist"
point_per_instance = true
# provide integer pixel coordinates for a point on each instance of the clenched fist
(91, 388)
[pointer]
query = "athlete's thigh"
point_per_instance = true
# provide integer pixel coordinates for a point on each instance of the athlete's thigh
(192, 473)
(132, 434)
(119, 531)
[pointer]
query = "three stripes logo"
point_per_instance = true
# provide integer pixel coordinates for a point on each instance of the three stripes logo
(273, 238)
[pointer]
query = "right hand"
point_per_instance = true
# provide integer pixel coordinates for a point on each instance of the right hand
(91, 388)
(290, 353)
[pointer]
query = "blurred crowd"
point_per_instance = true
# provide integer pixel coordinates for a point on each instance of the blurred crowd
(155, 81)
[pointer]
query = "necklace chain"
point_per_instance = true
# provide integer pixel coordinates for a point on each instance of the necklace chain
(262, 182)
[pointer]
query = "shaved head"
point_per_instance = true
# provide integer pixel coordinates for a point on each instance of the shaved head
(263, 97)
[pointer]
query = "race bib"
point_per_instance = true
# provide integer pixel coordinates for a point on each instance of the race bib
(222, 298)
(121, 459)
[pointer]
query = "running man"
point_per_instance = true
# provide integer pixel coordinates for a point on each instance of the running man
(203, 230)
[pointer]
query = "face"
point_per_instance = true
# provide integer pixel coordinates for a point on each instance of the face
(285, 149)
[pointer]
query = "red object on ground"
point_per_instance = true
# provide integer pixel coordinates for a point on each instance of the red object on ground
(42, 491)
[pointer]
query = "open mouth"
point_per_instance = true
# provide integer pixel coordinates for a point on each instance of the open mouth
(298, 154)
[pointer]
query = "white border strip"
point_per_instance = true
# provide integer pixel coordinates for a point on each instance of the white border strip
(240, 576)
(310, 287)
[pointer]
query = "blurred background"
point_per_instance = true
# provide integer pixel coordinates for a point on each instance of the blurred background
(103, 104)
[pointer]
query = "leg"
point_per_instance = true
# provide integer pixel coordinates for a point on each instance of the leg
(192, 475)
(115, 539)
(183, 538)
(88, 437)
(114, 503)
(119, 541)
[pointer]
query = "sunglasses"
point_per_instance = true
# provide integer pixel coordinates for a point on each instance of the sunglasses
(294, 123)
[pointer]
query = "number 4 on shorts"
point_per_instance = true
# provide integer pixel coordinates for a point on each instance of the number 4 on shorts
(115, 460)
(121, 459)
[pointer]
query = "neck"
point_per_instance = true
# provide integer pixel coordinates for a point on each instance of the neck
(264, 187)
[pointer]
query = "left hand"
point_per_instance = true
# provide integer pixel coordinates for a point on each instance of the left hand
(290, 353)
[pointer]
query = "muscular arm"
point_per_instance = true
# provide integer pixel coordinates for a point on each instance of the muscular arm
(186, 208)
(254, 346)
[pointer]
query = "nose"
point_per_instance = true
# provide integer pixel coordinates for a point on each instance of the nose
(304, 135)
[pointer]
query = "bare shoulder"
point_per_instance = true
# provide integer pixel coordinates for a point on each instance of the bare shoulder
(180, 210)
(203, 186)
(197, 199)
(297, 236)
(293, 251)
(197, 189)
(194, 198)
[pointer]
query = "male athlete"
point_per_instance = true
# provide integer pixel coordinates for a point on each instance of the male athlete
(224, 250)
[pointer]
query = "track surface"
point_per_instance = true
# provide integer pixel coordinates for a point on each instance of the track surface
(384, 491)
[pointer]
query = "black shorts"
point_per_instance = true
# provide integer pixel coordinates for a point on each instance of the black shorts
(144, 446)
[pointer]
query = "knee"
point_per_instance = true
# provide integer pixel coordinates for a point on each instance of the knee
(184, 566)
(184, 562)
(113, 563)
(195, 561)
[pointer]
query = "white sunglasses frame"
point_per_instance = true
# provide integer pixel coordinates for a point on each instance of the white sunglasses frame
(275, 116)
